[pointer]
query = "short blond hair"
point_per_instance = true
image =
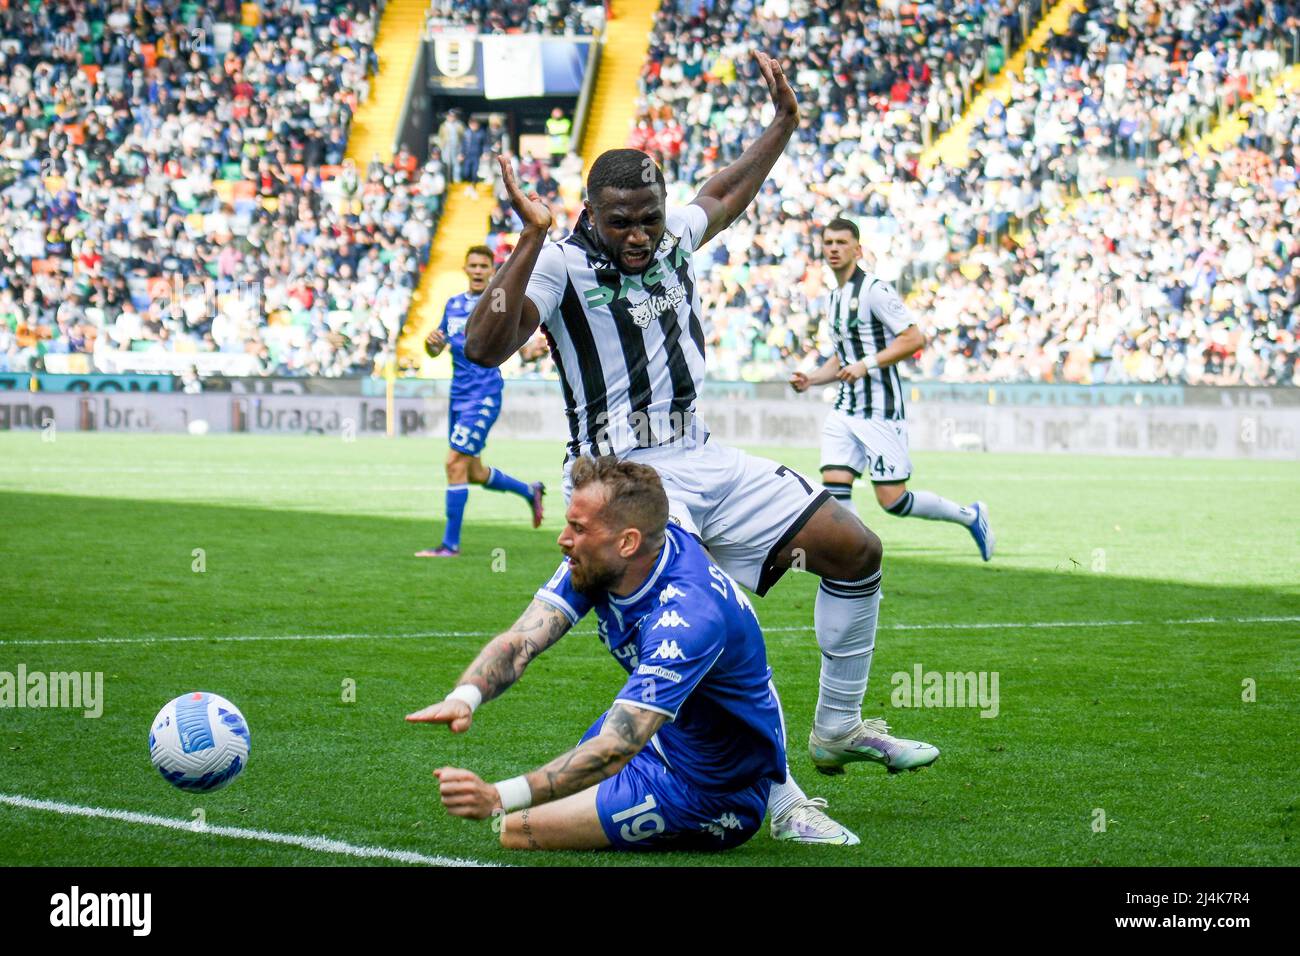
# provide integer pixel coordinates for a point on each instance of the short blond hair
(635, 496)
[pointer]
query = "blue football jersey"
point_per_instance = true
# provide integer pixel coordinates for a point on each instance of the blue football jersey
(469, 382)
(692, 648)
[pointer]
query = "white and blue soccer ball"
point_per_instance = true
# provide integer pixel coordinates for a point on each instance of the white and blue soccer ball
(199, 742)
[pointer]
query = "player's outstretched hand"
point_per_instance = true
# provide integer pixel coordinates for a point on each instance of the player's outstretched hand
(531, 210)
(453, 712)
(799, 381)
(465, 795)
(778, 86)
(435, 343)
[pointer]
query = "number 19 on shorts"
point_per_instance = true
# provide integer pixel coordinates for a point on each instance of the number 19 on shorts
(644, 821)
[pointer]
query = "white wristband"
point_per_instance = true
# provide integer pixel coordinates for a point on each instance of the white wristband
(515, 794)
(871, 362)
(469, 694)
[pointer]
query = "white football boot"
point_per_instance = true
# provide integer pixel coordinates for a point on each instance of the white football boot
(871, 741)
(806, 823)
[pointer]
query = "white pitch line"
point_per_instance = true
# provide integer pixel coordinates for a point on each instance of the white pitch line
(314, 843)
(241, 638)
(1023, 625)
(795, 629)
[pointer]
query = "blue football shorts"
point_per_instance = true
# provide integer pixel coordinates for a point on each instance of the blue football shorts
(645, 806)
(469, 423)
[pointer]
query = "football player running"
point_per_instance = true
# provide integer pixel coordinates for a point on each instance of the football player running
(475, 404)
(865, 435)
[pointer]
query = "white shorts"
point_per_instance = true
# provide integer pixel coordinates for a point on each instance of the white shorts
(871, 448)
(745, 509)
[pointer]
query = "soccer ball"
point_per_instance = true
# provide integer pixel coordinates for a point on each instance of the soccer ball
(199, 741)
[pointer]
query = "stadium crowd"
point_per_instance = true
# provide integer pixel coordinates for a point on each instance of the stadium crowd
(174, 181)
(1111, 99)
(572, 17)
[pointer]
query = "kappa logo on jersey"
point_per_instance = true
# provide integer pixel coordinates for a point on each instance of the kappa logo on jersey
(670, 592)
(719, 826)
(670, 619)
(643, 313)
(668, 651)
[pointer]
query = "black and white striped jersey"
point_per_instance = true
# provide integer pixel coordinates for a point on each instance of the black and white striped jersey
(865, 316)
(629, 348)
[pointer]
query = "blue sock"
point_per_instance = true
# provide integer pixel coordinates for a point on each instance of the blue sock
(457, 495)
(499, 481)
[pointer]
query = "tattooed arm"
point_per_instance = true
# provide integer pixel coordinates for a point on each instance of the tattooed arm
(627, 729)
(500, 663)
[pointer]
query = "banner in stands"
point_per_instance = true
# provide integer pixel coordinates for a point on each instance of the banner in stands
(505, 67)
(174, 363)
(535, 411)
(13, 382)
(955, 393)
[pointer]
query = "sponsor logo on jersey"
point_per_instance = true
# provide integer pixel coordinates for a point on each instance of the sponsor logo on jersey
(670, 619)
(666, 264)
(656, 671)
(643, 313)
(668, 651)
(670, 592)
(626, 653)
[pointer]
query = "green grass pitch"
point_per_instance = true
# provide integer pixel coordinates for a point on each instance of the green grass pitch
(1129, 606)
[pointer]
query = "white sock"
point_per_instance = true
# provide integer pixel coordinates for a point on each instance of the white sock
(926, 504)
(784, 795)
(845, 617)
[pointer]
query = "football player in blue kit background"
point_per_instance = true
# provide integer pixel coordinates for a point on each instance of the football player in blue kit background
(475, 405)
(685, 757)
